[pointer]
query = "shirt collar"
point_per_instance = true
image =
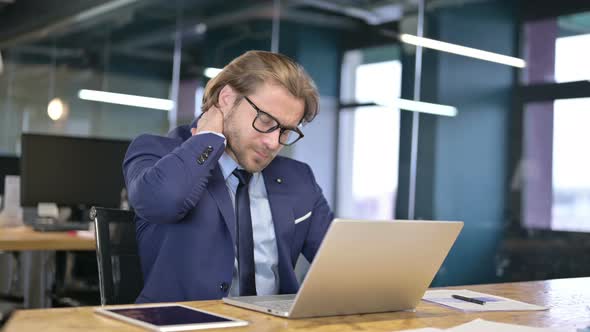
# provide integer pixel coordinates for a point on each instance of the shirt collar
(227, 165)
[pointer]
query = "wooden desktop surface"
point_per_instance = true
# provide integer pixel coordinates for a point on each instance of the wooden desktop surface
(568, 300)
(25, 238)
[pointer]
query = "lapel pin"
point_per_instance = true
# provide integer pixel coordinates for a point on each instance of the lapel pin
(279, 180)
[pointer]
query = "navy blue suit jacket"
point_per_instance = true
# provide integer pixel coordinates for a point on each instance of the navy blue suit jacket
(186, 221)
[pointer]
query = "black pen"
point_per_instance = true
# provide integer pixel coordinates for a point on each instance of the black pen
(468, 299)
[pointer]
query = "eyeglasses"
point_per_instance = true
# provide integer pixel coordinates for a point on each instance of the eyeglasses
(266, 123)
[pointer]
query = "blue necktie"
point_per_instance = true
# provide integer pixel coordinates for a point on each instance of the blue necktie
(245, 240)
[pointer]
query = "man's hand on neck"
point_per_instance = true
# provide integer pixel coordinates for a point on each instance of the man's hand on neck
(211, 120)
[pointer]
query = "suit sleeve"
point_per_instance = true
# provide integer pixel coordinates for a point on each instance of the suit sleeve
(165, 180)
(321, 218)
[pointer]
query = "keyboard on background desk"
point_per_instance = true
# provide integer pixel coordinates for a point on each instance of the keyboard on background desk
(51, 225)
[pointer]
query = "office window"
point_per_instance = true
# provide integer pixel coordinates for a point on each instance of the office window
(557, 49)
(34, 75)
(571, 182)
(557, 194)
(368, 140)
(553, 167)
(571, 58)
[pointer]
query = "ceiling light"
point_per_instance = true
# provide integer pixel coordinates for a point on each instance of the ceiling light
(422, 107)
(462, 50)
(56, 109)
(125, 99)
(200, 28)
(211, 72)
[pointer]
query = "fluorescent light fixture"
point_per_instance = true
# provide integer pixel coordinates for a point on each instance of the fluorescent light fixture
(211, 72)
(124, 99)
(462, 50)
(422, 107)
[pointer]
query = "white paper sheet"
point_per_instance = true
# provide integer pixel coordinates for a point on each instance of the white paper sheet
(481, 325)
(492, 302)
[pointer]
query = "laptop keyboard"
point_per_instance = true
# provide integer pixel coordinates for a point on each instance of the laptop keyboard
(281, 305)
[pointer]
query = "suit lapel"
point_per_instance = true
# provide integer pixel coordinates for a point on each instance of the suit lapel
(282, 217)
(283, 220)
(218, 191)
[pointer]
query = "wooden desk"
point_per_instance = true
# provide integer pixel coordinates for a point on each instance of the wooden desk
(568, 299)
(25, 238)
(37, 257)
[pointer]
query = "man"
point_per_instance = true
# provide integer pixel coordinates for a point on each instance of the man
(218, 212)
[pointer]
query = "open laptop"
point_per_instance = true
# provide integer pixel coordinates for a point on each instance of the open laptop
(364, 267)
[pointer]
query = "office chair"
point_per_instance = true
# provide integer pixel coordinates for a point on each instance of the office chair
(119, 269)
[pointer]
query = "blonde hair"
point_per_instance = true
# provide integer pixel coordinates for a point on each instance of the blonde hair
(253, 68)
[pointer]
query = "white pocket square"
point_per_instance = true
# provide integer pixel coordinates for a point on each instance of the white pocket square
(298, 220)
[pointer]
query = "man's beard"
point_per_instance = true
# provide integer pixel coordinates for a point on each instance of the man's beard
(241, 155)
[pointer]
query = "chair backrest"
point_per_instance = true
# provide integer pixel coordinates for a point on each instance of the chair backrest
(119, 268)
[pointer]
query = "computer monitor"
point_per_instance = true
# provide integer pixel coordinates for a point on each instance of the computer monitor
(71, 171)
(9, 165)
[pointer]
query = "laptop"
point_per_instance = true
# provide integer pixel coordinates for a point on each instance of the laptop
(365, 266)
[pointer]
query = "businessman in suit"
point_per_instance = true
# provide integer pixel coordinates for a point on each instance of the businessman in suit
(219, 213)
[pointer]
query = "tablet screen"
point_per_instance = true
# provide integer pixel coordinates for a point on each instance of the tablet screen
(169, 315)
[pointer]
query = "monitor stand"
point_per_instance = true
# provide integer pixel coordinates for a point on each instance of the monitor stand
(11, 214)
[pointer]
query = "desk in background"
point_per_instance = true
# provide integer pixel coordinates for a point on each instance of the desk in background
(37, 257)
(25, 238)
(568, 300)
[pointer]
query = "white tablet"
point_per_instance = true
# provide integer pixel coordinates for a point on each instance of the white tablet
(169, 317)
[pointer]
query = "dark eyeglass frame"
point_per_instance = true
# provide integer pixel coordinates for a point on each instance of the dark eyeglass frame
(273, 128)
